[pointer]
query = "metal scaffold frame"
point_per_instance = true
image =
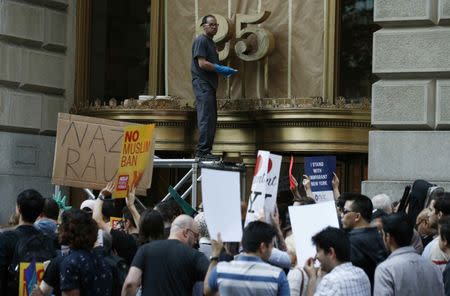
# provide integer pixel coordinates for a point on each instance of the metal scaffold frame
(193, 175)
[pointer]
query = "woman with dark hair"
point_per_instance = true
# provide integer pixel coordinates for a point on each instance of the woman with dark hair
(151, 226)
(83, 271)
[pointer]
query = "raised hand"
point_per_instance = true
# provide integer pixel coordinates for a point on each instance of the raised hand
(108, 190)
(131, 198)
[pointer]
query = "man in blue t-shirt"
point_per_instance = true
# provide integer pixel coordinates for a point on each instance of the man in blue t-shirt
(204, 68)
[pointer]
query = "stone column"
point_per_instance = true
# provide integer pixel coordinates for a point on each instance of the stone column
(411, 101)
(36, 82)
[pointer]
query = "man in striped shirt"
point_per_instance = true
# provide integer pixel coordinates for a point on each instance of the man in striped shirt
(248, 274)
(342, 278)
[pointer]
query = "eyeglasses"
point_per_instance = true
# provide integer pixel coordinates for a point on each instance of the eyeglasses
(345, 211)
(212, 25)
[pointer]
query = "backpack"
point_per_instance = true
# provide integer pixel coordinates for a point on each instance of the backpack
(37, 246)
(418, 197)
(119, 268)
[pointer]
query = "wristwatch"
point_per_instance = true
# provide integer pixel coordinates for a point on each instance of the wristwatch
(214, 258)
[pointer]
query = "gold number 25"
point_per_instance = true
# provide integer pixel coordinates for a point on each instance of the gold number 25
(253, 43)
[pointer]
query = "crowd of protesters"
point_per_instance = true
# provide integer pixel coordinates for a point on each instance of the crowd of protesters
(378, 250)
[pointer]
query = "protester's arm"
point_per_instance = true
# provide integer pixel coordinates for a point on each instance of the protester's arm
(307, 184)
(294, 190)
(210, 283)
(311, 271)
(97, 212)
(98, 217)
(132, 282)
(132, 207)
(42, 290)
(280, 258)
(335, 184)
(276, 223)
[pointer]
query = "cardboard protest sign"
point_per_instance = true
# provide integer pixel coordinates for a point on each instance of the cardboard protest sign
(273, 177)
(136, 150)
(306, 221)
(222, 204)
(30, 274)
(87, 152)
(264, 186)
(320, 169)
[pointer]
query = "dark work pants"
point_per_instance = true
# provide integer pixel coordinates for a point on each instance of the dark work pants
(205, 98)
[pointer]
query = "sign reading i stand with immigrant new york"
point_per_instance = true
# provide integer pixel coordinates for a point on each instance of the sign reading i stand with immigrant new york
(264, 186)
(136, 151)
(320, 169)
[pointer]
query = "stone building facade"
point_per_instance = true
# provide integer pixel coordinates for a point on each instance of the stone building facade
(411, 101)
(36, 82)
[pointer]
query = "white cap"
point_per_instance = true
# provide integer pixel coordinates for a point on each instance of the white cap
(88, 203)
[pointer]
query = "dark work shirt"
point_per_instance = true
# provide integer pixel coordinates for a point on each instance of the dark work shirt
(8, 241)
(87, 272)
(367, 250)
(169, 267)
(205, 47)
(124, 244)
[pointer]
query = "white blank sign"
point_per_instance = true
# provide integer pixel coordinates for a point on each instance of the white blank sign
(308, 220)
(221, 193)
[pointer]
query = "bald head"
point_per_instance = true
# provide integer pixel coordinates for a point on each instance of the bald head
(181, 222)
(184, 229)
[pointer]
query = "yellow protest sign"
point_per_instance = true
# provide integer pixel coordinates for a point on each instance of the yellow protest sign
(30, 274)
(134, 157)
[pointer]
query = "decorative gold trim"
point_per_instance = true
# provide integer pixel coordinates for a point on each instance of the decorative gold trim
(297, 130)
(156, 60)
(329, 69)
(82, 52)
(289, 69)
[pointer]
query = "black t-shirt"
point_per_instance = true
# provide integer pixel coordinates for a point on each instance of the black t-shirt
(124, 244)
(205, 47)
(169, 267)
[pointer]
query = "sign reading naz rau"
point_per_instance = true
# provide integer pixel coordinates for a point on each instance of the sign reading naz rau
(320, 169)
(88, 152)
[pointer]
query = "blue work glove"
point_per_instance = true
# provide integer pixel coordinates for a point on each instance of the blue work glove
(227, 71)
